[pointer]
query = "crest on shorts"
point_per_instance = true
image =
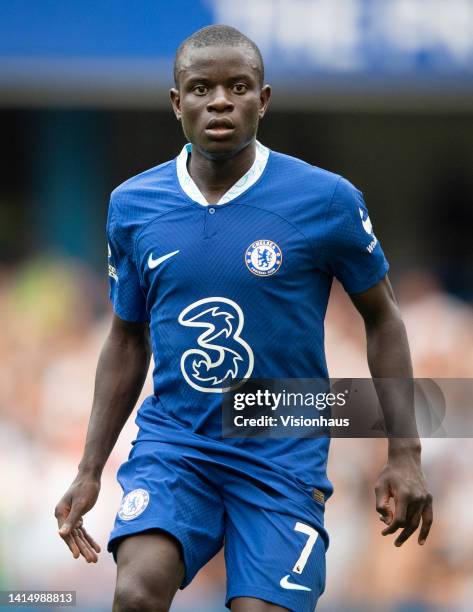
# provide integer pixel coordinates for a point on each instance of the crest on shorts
(263, 257)
(133, 504)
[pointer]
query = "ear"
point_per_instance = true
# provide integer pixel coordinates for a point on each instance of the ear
(265, 96)
(176, 102)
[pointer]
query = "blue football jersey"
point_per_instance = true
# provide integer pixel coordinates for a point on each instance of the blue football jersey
(234, 290)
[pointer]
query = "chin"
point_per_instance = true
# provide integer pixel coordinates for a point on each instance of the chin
(221, 149)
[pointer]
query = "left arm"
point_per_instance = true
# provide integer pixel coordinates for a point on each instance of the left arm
(389, 358)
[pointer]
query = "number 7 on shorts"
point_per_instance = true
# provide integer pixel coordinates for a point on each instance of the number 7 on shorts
(309, 545)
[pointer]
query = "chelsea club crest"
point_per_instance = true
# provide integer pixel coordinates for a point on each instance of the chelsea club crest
(133, 504)
(263, 257)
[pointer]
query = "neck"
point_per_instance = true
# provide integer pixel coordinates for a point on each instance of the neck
(215, 176)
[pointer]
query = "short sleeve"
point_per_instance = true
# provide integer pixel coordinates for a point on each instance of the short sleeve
(351, 252)
(125, 291)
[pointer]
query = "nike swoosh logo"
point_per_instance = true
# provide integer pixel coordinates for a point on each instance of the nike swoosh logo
(292, 586)
(154, 263)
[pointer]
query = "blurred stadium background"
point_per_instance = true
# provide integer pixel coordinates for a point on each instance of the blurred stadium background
(378, 90)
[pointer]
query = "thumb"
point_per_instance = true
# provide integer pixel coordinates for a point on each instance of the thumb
(383, 496)
(72, 518)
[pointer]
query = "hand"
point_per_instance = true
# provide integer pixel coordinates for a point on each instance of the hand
(403, 480)
(78, 499)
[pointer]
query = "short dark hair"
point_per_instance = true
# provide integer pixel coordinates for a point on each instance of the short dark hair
(218, 36)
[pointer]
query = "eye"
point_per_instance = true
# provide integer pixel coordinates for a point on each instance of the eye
(240, 88)
(200, 90)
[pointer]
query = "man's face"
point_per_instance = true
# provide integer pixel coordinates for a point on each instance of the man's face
(220, 100)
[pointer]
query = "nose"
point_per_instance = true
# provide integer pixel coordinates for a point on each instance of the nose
(220, 102)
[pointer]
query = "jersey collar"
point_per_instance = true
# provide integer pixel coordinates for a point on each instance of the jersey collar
(246, 181)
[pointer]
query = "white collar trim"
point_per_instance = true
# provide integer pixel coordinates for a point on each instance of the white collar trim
(246, 181)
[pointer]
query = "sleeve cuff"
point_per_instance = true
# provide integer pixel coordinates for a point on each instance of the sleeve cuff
(368, 282)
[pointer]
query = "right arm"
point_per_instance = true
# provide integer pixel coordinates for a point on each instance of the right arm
(121, 372)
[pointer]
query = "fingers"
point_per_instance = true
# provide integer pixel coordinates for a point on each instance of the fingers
(399, 519)
(427, 518)
(408, 515)
(81, 544)
(71, 543)
(85, 549)
(414, 514)
(61, 512)
(75, 536)
(90, 540)
(382, 504)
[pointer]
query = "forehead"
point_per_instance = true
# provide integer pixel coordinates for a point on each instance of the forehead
(217, 62)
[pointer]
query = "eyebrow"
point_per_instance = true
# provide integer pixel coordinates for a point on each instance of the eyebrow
(230, 79)
(240, 77)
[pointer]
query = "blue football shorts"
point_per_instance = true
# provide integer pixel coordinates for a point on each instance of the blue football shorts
(275, 541)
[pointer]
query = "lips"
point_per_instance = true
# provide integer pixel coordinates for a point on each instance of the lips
(221, 123)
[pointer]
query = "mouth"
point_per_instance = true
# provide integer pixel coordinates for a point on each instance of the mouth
(220, 128)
